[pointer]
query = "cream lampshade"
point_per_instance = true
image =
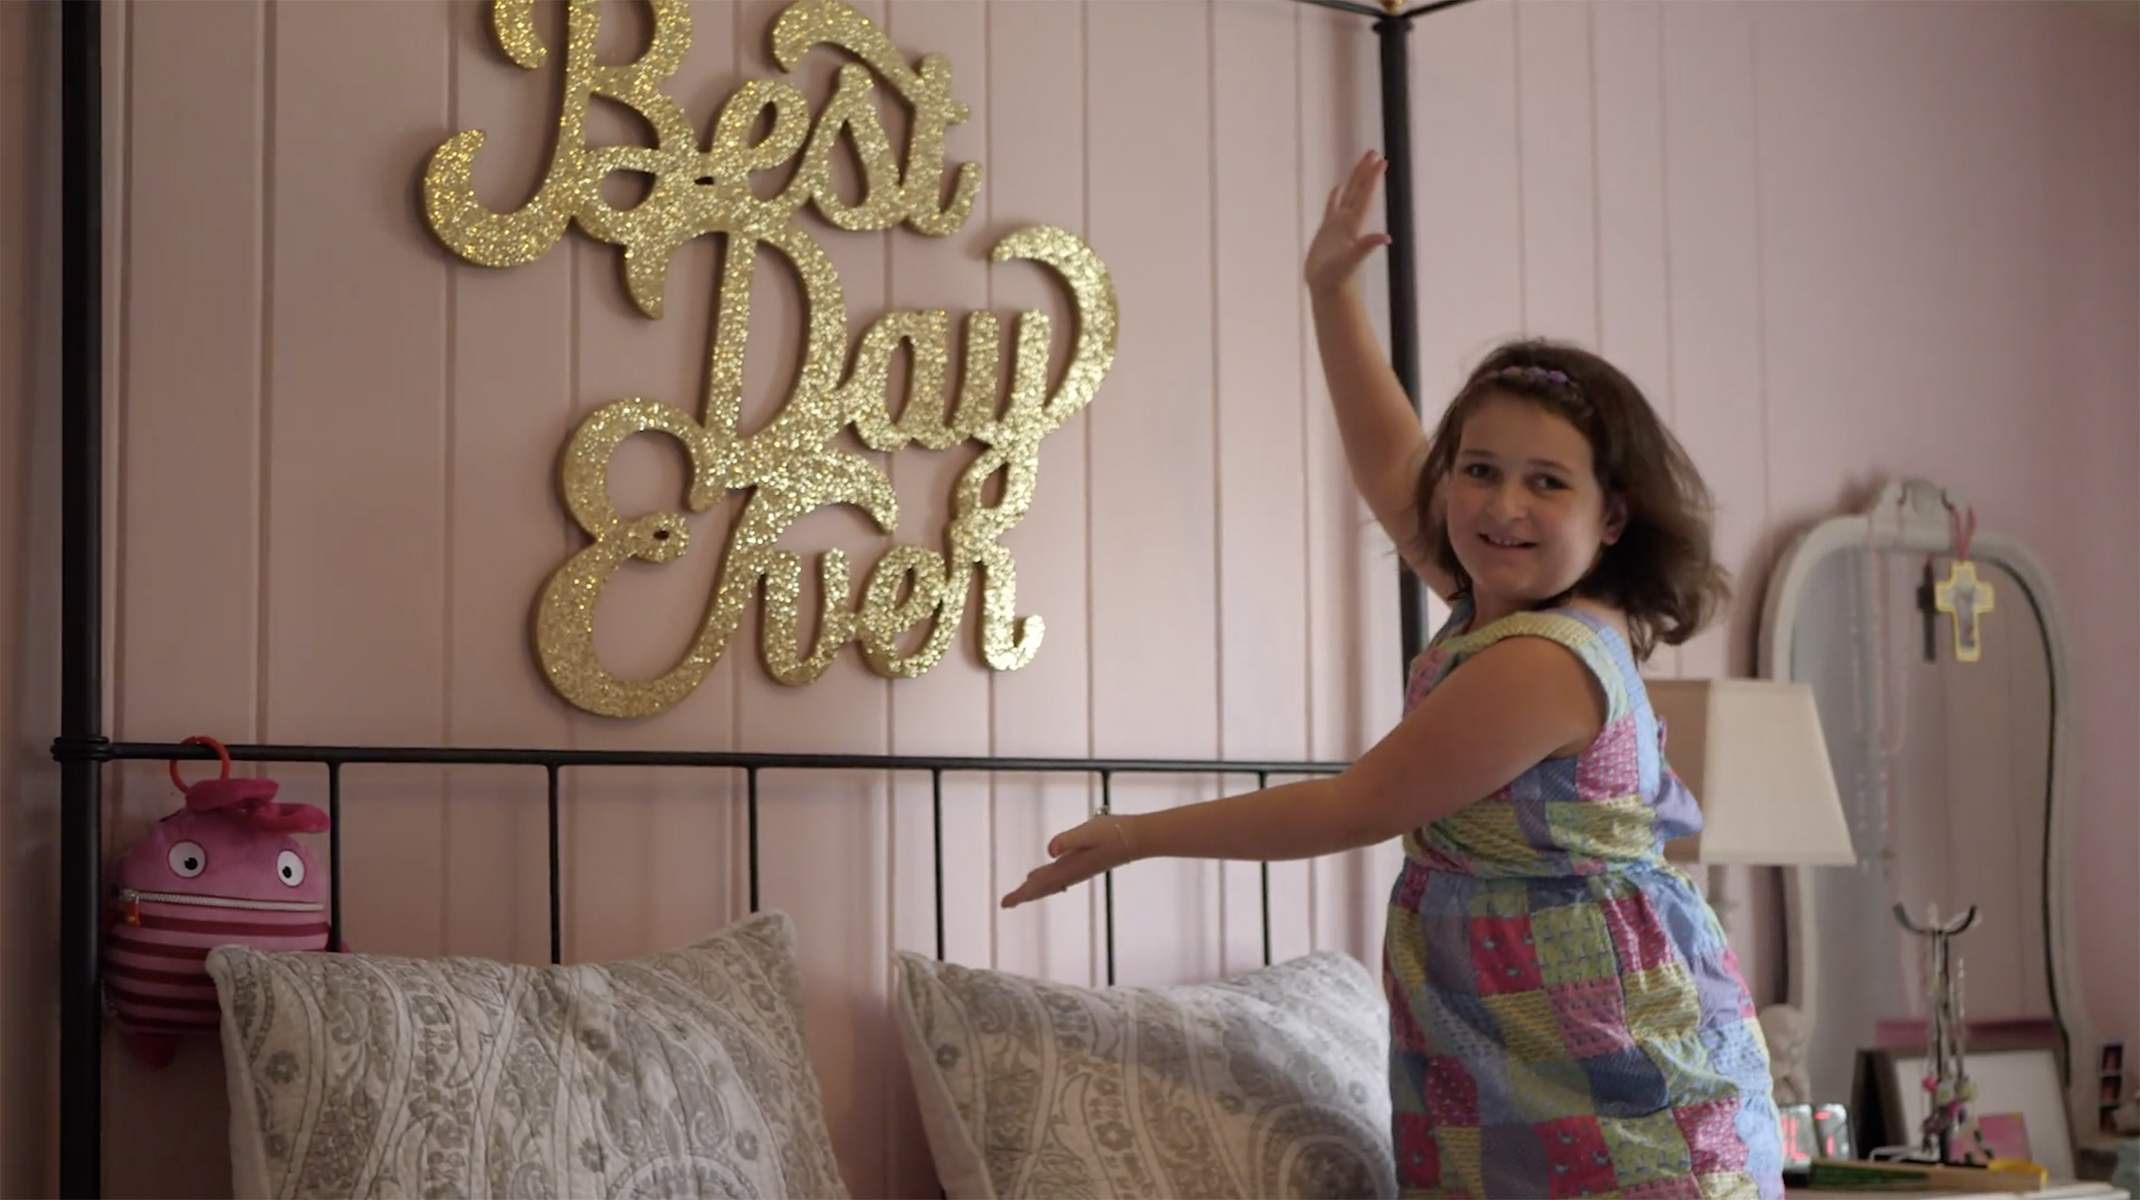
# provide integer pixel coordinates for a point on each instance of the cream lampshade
(1752, 752)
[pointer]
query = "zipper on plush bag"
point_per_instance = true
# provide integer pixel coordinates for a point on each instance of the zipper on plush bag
(130, 901)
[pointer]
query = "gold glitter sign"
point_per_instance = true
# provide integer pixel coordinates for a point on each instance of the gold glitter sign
(789, 466)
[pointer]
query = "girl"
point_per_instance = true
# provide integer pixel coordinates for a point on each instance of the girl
(1565, 1016)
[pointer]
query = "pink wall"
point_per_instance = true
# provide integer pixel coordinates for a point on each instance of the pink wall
(29, 593)
(1839, 241)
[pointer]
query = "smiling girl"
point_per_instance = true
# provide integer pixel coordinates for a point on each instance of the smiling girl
(1565, 1016)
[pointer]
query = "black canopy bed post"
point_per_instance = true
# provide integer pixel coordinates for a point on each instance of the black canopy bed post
(81, 743)
(1393, 33)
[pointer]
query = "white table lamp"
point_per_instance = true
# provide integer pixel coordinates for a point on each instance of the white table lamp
(1752, 752)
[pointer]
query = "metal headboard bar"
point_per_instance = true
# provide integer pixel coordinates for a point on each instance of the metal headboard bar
(553, 762)
(81, 746)
(479, 756)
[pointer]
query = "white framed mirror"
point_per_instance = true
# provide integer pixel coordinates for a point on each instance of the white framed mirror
(1955, 763)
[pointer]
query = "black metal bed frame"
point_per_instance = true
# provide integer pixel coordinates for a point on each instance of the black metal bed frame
(82, 748)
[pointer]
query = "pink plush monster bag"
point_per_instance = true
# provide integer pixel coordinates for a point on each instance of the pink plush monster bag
(223, 869)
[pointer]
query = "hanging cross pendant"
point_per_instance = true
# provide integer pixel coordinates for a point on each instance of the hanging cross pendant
(1964, 597)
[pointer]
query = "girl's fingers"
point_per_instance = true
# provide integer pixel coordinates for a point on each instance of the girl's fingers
(1037, 885)
(1059, 876)
(1352, 181)
(1361, 188)
(1345, 208)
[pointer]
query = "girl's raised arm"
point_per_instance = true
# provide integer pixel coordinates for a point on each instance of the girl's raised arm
(1384, 445)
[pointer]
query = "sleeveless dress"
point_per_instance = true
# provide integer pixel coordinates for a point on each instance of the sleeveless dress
(1566, 1017)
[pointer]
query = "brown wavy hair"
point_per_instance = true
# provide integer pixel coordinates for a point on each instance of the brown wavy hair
(1661, 573)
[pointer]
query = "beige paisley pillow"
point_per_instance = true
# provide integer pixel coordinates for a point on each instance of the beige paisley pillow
(678, 1074)
(1272, 1084)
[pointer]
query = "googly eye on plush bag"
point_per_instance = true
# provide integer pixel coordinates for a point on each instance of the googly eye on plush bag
(224, 869)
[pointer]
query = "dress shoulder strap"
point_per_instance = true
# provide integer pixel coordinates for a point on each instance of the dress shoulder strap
(1584, 634)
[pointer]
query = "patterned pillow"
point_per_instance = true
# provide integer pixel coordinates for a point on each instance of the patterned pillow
(679, 1074)
(1272, 1084)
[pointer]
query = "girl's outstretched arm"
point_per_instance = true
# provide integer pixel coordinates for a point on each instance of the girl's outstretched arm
(1517, 703)
(1384, 445)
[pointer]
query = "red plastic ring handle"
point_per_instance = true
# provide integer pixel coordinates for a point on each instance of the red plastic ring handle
(200, 740)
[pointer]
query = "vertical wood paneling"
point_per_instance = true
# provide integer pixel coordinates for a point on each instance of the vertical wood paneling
(358, 333)
(1713, 251)
(1832, 364)
(1035, 174)
(2094, 124)
(946, 711)
(511, 404)
(1557, 167)
(1256, 416)
(1154, 668)
(1468, 185)
(188, 347)
(1339, 118)
(1634, 306)
(191, 376)
(1326, 52)
(30, 216)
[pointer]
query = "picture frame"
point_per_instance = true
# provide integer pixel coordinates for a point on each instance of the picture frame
(2020, 1102)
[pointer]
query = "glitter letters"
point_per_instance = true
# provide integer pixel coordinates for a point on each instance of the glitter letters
(790, 466)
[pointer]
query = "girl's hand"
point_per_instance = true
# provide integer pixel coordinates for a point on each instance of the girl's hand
(1339, 247)
(1097, 846)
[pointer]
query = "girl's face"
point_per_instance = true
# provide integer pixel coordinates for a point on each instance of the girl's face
(1523, 506)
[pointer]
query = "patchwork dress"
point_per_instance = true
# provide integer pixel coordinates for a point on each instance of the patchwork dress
(1566, 1016)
